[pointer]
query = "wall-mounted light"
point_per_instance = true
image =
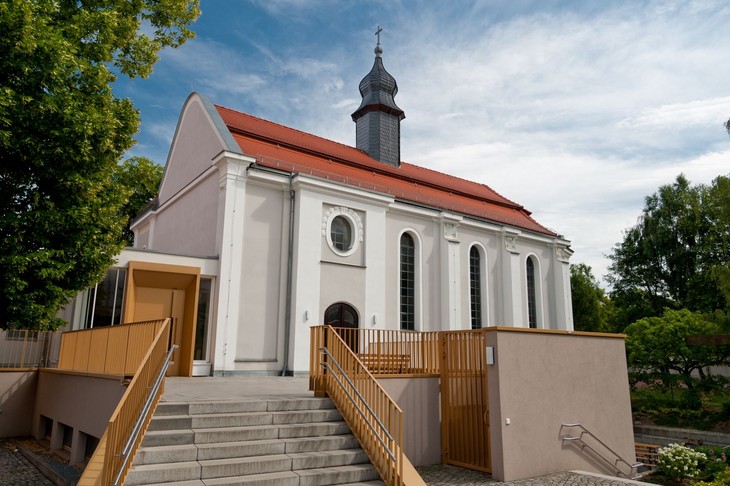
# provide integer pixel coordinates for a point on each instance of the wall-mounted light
(306, 315)
(375, 319)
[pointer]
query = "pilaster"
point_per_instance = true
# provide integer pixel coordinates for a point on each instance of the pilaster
(229, 241)
(561, 280)
(512, 288)
(450, 274)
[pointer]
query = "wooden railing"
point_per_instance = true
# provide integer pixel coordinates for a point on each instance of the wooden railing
(21, 348)
(112, 350)
(116, 448)
(375, 419)
(389, 351)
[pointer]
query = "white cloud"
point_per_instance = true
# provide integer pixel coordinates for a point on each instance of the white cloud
(575, 110)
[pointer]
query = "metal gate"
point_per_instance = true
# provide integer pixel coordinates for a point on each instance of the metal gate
(464, 403)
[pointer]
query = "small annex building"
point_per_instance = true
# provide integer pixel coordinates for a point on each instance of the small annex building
(261, 231)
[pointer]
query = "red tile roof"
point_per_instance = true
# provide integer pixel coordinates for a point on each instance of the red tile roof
(279, 147)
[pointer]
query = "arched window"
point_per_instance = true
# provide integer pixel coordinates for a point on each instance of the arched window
(407, 282)
(531, 294)
(475, 287)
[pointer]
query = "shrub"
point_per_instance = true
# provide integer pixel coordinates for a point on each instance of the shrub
(715, 462)
(679, 462)
(721, 479)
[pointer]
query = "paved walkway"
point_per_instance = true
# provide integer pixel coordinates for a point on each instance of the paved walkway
(441, 475)
(15, 469)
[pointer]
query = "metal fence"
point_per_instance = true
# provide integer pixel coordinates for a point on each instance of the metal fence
(21, 348)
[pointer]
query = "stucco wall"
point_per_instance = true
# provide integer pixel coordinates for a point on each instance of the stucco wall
(261, 312)
(194, 146)
(188, 226)
(65, 397)
(541, 380)
(17, 397)
(419, 400)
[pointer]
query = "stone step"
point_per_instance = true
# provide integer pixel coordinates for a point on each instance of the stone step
(241, 406)
(221, 420)
(249, 448)
(243, 466)
(338, 475)
(360, 474)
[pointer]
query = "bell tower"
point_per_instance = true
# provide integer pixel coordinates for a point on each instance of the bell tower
(377, 120)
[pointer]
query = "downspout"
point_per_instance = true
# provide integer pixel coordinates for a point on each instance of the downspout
(289, 277)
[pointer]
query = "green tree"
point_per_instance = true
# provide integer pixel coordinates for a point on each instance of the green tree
(141, 177)
(670, 257)
(590, 304)
(657, 345)
(62, 133)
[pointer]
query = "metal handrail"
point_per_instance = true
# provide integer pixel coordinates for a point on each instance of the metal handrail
(619, 459)
(357, 406)
(143, 415)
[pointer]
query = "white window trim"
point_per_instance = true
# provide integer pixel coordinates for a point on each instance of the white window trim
(418, 289)
(539, 314)
(484, 281)
(358, 231)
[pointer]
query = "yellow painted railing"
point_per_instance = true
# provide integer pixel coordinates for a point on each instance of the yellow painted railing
(374, 418)
(116, 443)
(388, 351)
(465, 437)
(111, 350)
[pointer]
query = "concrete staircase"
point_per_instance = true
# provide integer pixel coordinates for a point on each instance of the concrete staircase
(277, 441)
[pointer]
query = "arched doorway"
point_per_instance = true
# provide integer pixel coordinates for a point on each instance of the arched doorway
(344, 317)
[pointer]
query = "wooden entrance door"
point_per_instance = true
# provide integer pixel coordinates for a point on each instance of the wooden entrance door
(465, 406)
(154, 303)
(343, 317)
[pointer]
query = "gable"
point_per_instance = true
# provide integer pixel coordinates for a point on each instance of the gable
(200, 136)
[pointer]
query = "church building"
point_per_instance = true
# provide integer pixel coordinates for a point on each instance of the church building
(260, 231)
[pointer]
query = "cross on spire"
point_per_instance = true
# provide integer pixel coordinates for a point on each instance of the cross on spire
(377, 32)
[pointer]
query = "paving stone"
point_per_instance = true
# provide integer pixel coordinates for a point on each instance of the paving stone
(16, 469)
(443, 475)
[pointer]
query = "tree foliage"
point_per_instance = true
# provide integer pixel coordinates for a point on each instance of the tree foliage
(141, 177)
(62, 132)
(591, 307)
(677, 253)
(657, 344)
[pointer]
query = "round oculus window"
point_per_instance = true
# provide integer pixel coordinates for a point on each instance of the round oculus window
(341, 233)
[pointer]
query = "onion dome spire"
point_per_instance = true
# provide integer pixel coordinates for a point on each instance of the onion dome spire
(378, 117)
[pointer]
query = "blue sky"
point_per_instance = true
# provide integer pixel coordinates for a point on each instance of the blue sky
(577, 110)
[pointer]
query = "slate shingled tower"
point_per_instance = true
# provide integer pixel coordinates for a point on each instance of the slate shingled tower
(378, 117)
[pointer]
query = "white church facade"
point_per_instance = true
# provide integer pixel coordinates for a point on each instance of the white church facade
(261, 231)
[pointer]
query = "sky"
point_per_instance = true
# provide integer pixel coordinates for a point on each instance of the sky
(577, 110)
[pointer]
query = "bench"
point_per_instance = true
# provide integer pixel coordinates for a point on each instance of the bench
(647, 454)
(385, 364)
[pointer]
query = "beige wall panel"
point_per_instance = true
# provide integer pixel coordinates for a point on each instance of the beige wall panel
(189, 225)
(260, 313)
(419, 400)
(17, 399)
(65, 397)
(543, 380)
(195, 144)
(342, 283)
